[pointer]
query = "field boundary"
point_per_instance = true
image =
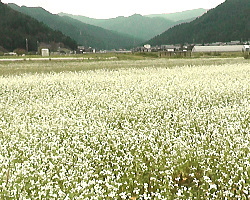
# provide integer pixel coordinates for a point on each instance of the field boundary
(53, 59)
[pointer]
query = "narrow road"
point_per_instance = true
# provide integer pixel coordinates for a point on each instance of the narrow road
(43, 59)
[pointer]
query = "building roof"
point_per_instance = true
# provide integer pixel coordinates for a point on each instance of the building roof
(226, 48)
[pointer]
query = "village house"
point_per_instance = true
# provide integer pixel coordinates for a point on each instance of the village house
(170, 48)
(83, 49)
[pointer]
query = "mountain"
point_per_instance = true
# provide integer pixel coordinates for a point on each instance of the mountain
(228, 21)
(84, 34)
(16, 27)
(181, 16)
(136, 25)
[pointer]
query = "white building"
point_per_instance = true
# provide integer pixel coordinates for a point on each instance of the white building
(45, 52)
(226, 48)
(246, 48)
(147, 46)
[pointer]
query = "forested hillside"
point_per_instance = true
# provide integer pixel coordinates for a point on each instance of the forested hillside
(136, 25)
(84, 34)
(16, 27)
(228, 21)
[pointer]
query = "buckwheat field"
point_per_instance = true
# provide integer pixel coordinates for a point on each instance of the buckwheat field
(142, 130)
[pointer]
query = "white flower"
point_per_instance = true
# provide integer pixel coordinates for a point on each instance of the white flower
(123, 195)
(112, 194)
(245, 191)
(212, 186)
(179, 193)
(192, 174)
(207, 179)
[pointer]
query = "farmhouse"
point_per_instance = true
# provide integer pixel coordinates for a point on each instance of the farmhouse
(226, 48)
(147, 46)
(83, 49)
(170, 48)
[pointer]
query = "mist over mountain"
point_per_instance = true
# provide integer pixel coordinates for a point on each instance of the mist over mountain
(181, 16)
(138, 26)
(227, 22)
(84, 34)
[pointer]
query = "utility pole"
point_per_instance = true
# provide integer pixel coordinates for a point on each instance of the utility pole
(27, 45)
(37, 45)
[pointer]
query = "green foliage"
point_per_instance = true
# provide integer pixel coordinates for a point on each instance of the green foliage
(2, 51)
(16, 28)
(85, 34)
(229, 21)
(147, 54)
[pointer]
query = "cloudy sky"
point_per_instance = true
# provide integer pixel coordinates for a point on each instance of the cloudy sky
(104, 9)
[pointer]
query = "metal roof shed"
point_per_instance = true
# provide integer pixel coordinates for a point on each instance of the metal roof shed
(228, 48)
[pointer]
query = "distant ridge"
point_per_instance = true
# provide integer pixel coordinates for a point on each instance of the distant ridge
(85, 34)
(138, 26)
(228, 21)
(180, 16)
(16, 27)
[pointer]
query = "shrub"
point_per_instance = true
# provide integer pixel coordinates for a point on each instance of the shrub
(20, 51)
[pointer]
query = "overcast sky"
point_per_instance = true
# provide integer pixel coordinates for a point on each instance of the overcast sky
(104, 9)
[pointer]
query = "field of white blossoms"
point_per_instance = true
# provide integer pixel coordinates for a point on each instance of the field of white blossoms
(128, 133)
